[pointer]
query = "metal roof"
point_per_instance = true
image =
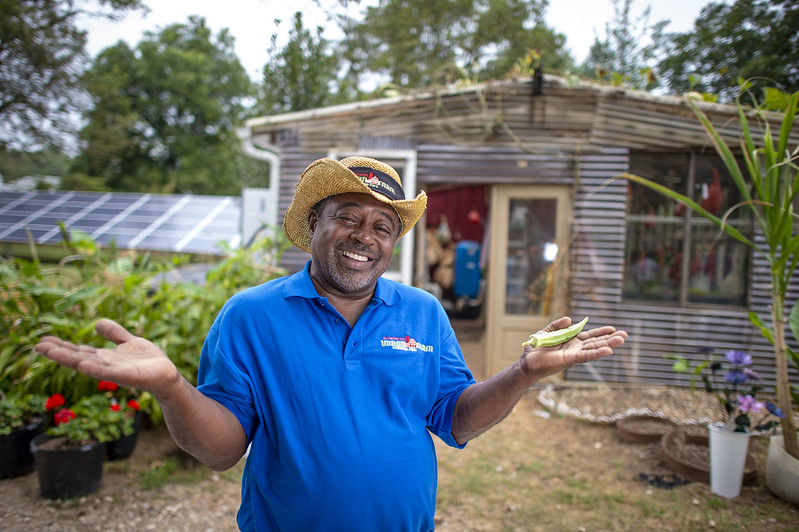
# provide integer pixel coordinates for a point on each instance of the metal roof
(156, 222)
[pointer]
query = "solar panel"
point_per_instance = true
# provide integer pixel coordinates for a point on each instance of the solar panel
(157, 222)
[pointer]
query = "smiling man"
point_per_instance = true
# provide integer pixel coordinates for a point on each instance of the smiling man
(335, 377)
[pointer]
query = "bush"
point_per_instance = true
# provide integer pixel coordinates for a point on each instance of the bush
(134, 289)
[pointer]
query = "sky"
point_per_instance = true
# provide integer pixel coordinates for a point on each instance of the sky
(252, 22)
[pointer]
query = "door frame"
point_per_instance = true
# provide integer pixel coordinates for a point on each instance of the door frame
(506, 332)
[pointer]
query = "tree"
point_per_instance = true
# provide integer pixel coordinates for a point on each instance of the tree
(300, 75)
(749, 39)
(15, 163)
(627, 53)
(508, 29)
(42, 54)
(165, 113)
(416, 43)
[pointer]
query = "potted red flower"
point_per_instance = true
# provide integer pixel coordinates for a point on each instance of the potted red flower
(69, 455)
(122, 400)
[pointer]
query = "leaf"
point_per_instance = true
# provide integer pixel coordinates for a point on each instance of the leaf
(764, 329)
(688, 202)
(793, 357)
(681, 364)
(793, 321)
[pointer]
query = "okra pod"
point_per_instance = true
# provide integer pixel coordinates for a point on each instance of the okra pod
(548, 339)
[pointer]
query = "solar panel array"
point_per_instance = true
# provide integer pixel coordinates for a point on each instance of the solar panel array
(156, 222)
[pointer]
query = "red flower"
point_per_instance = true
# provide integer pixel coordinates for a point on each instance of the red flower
(54, 401)
(132, 403)
(115, 406)
(107, 386)
(63, 416)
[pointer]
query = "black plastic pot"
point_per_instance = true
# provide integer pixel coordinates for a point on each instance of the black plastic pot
(124, 446)
(66, 473)
(15, 450)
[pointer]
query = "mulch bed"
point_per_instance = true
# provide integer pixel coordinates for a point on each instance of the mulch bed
(648, 410)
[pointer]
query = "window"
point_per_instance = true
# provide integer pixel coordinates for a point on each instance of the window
(673, 254)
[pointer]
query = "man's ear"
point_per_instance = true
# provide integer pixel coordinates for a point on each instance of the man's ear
(313, 218)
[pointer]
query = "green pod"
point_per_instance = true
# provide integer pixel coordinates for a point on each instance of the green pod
(548, 339)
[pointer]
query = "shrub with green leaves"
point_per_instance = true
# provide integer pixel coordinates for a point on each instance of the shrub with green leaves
(20, 411)
(135, 289)
(92, 419)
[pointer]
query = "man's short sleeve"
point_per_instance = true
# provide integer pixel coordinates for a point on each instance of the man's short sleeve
(454, 378)
(226, 380)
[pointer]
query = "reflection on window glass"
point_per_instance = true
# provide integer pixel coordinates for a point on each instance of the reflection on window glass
(531, 255)
(673, 254)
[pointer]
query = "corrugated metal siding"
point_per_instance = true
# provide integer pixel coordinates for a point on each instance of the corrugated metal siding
(502, 134)
(292, 163)
(491, 165)
(656, 330)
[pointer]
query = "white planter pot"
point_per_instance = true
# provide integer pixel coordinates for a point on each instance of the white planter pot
(782, 471)
(727, 460)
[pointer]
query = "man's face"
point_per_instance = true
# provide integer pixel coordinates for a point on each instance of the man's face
(352, 240)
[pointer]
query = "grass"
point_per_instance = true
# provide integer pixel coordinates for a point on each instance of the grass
(530, 473)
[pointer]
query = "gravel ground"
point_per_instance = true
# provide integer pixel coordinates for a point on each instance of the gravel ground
(606, 404)
(190, 497)
(198, 500)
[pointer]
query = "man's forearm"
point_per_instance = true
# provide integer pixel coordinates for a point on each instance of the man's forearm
(484, 404)
(202, 427)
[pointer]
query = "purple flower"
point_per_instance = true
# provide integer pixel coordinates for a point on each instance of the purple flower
(747, 403)
(738, 358)
(736, 377)
(773, 410)
(752, 374)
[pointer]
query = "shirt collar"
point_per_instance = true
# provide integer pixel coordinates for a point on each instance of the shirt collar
(300, 285)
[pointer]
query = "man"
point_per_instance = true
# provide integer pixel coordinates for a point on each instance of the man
(334, 376)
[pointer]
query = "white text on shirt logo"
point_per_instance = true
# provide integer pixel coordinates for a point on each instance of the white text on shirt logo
(405, 344)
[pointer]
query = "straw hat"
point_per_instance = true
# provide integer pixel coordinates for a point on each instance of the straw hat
(326, 177)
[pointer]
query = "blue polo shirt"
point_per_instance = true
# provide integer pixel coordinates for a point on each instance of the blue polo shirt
(338, 417)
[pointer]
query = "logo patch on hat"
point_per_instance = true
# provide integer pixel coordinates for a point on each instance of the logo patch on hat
(379, 182)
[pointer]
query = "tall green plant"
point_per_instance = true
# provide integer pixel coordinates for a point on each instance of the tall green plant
(144, 294)
(768, 180)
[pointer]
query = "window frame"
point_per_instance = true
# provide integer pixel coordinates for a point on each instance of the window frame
(690, 219)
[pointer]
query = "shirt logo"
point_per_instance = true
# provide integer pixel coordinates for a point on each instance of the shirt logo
(405, 344)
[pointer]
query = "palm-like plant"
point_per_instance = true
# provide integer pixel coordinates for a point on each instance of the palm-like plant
(768, 180)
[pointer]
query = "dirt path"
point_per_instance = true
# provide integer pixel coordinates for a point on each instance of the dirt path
(151, 490)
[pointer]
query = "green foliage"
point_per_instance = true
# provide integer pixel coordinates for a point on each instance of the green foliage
(15, 164)
(42, 53)
(683, 365)
(94, 419)
(746, 39)
(159, 474)
(165, 113)
(793, 356)
(418, 43)
(300, 75)
(138, 291)
(20, 411)
(727, 389)
(626, 55)
(768, 182)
